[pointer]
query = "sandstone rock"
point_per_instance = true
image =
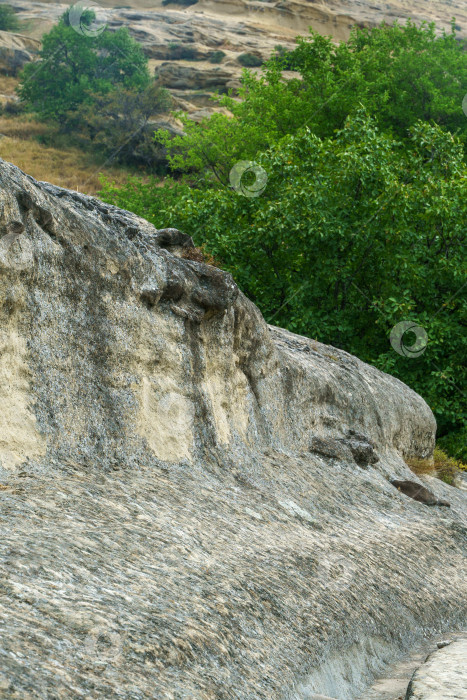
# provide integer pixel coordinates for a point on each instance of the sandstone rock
(174, 75)
(165, 530)
(15, 51)
(443, 675)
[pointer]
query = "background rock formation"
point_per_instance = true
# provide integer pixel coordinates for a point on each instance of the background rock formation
(234, 27)
(194, 504)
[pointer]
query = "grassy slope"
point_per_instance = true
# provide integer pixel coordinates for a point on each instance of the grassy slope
(61, 164)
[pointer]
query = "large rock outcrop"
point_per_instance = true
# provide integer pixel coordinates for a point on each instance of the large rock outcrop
(194, 504)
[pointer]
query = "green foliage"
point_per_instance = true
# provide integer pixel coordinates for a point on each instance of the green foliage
(250, 60)
(73, 67)
(8, 19)
(446, 467)
(284, 57)
(216, 57)
(354, 233)
(400, 74)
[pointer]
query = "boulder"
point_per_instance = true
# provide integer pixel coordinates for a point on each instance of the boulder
(165, 530)
(182, 77)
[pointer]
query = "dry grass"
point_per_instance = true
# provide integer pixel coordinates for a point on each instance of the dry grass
(67, 167)
(421, 466)
(440, 465)
(200, 255)
(7, 85)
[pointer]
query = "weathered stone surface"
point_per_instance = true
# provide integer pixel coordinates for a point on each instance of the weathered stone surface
(442, 676)
(165, 530)
(15, 51)
(182, 77)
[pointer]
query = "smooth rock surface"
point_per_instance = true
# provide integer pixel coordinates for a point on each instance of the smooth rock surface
(443, 675)
(167, 527)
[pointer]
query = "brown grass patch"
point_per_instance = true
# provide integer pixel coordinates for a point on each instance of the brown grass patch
(421, 466)
(200, 255)
(67, 167)
(8, 84)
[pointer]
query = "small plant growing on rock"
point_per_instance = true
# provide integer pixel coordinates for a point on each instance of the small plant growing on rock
(440, 465)
(446, 467)
(200, 255)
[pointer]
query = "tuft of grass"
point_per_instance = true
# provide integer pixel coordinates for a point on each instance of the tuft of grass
(421, 466)
(440, 465)
(8, 83)
(447, 467)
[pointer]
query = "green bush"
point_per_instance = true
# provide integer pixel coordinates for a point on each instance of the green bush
(400, 74)
(117, 124)
(249, 60)
(216, 57)
(284, 57)
(8, 19)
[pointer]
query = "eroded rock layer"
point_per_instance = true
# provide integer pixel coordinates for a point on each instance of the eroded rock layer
(194, 504)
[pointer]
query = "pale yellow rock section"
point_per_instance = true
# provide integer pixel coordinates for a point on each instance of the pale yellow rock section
(166, 419)
(19, 434)
(166, 414)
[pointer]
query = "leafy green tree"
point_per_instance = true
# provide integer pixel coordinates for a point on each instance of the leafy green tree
(8, 19)
(400, 74)
(353, 233)
(72, 67)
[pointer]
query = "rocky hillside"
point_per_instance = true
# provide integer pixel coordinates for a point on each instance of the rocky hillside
(181, 42)
(194, 504)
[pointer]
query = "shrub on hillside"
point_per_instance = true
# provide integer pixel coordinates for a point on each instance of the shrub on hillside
(216, 57)
(179, 52)
(8, 19)
(250, 60)
(184, 3)
(118, 124)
